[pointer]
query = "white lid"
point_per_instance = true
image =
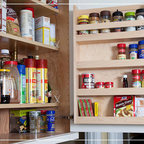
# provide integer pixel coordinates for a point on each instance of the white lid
(4, 51)
(124, 76)
(37, 57)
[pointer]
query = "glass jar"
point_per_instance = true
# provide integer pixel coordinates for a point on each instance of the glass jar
(136, 83)
(133, 51)
(5, 85)
(121, 51)
(109, 84)
(105, 17)
(117, 16)
(99, 85)
(141, 49)
(94, 19)
(130, 16)
(140, 16)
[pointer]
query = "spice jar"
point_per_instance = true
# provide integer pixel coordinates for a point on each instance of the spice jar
(83, 19)
(117, 16)
(105, 17)
(141, 49)
(94, 19)
(142, 78)
(130, 16)
(133, 51)
(140, 16)
(99, 85)
(108, 84)
(121, 51)
(136, 83)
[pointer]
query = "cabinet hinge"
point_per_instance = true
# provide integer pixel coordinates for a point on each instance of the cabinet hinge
(70, 117)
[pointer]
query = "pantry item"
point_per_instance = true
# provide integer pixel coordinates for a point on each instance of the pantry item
(139, 106)
(125, 81)
(15, 80)
(142, 78)
(140, 16)
(26, 24)
(105, 17)
(87, 81)
(37, 57)
(130, 16)
(52, 35)
(22, 73)
(136, 83)
(43, 1)
(30, 80)
(83, 19)
(49, 93)
(124, 106)
(50, 121)
(117, 16)
(96, 109)
(141, 49)
(52, 3)
(42, 30)
(41, 81)
(90, 109)
(109, 85)
(85, 107)
(94, 19)
(5, 86)
(121, 51)
(99, 85)
(4, 56)
(43, 121)
(133, 50)
(81, 108)
(34, 117)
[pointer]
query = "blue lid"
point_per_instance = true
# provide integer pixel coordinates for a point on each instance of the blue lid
(21, 69)
(50, 112)
(141, 42)
(133, 46)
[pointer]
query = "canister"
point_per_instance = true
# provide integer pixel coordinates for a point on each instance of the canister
(133, 51)
(141, 49)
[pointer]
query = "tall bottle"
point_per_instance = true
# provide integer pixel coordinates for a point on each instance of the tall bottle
(125, 81)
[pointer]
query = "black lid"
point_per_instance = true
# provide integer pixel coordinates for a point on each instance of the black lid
(105, 13)
(139, 10)
(94, 15)
(30, 57)
(117, 13)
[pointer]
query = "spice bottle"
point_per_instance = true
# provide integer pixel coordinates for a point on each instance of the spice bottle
(94, 19)
(117, 16)
(141, 49)
(99, 85)
(142, 78)
(121, 51)
(133, 51)
(43, 121)
(136, 83)
(105, 17)
(140, 16)
(109, 84)
(125, 81)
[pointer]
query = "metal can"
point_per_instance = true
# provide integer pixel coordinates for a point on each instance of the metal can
(109, 84)
(99, 85)
(87, 81)
(34, 117)
(43, 121)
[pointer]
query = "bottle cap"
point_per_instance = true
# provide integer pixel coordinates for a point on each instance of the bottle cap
(136, 71)
(108, 83)
(11, 63)
(133, 46)
(83, 17)
(41, 63)
(31, 9)
(37, 57)
(129, 14)
(50, 112)
(30, 63)
(21, 69)
(4, 51)
(43, 111)
(121, 45)
(105, 13)
(141, 42)
(94, 15)
(124, 76)
(99, 83)
(117, 13)
(30, 57)
(139, 10)
(4, 70)
(142, 72)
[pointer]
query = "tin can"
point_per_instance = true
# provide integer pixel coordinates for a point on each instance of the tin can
(87, 81)
(99, 85)
(109, 84)
(30, 80)
(50, 121)
(34, 121)
(42, 81)
(43, 121)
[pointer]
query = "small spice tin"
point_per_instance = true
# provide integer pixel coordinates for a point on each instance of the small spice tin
(99, 85)
(109, 84)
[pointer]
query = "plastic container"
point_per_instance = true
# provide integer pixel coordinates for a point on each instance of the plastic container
(136, 83)
(121, 51)
(99, 85)
(109, 85)
(140, 16)
(15, 78)
(133, 51)
(141, 49)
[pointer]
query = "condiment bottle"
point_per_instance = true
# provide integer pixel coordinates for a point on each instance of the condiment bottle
(136, 83)
(142, 78)
(140, 16)
(121, 51)
(133, 51)
(43, 121)
(141, 49)
(125, 81)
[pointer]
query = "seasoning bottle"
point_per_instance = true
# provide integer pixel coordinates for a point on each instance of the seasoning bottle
(94, 19)
(136, 83)
(99, 85)
(141, 49)
(121, 51)
(140, 16)
(142, 78)
(133, 51)
(105, 17)
(125, 81)
(43, 121)
(117, 16)
(130, 16)
(109, 84)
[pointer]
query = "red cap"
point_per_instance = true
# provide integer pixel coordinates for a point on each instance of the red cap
(136, 71)
(43, 111)
(11, 63)
(42, 63)
(30, 63)
(121, 45)
(109, 83)
(142, 71)
(99, 83)
(31, 9)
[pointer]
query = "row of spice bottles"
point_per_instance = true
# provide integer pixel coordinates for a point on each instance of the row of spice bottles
(105, 16)
(135, 51)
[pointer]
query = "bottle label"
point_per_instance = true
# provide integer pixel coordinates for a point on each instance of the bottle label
(23, 89)
(121, 56)
(133, 55)
(141, 53)
(136, 84)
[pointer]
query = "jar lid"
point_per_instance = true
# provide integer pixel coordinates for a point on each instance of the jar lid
(41, 63)
(133, 46)
(139, 10)
(31, 9)
(43, 111)
(99, 83)
(94, 15)
(83, 17)
(129, 14)
(142, 72)
(105, 13)
(107, 83)
(117, 13)
(121, 45)
(4, 51)
(30, 63)
(4, 70)
(11, 63)
(50, 112)
(136, 71)
(30, 57)
(141, 42)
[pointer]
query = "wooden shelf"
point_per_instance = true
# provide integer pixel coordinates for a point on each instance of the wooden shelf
(110, 91)
(21, 106)
(110, 64)
(110, 120)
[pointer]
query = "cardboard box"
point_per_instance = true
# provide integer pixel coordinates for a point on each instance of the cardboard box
(139, 106)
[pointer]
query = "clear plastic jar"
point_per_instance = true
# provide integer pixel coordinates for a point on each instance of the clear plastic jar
(140, 16)
(141, 49)
(121, 51)
(133, 51)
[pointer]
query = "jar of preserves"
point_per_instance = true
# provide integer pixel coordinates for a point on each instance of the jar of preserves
(121, 51)
(109, 84)
(136, 83)
(94, 19)
(133, 51)
(140, 16)
(117, 16)
(130, 16)
(105, 17)
(99, 85)
(141, 49)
